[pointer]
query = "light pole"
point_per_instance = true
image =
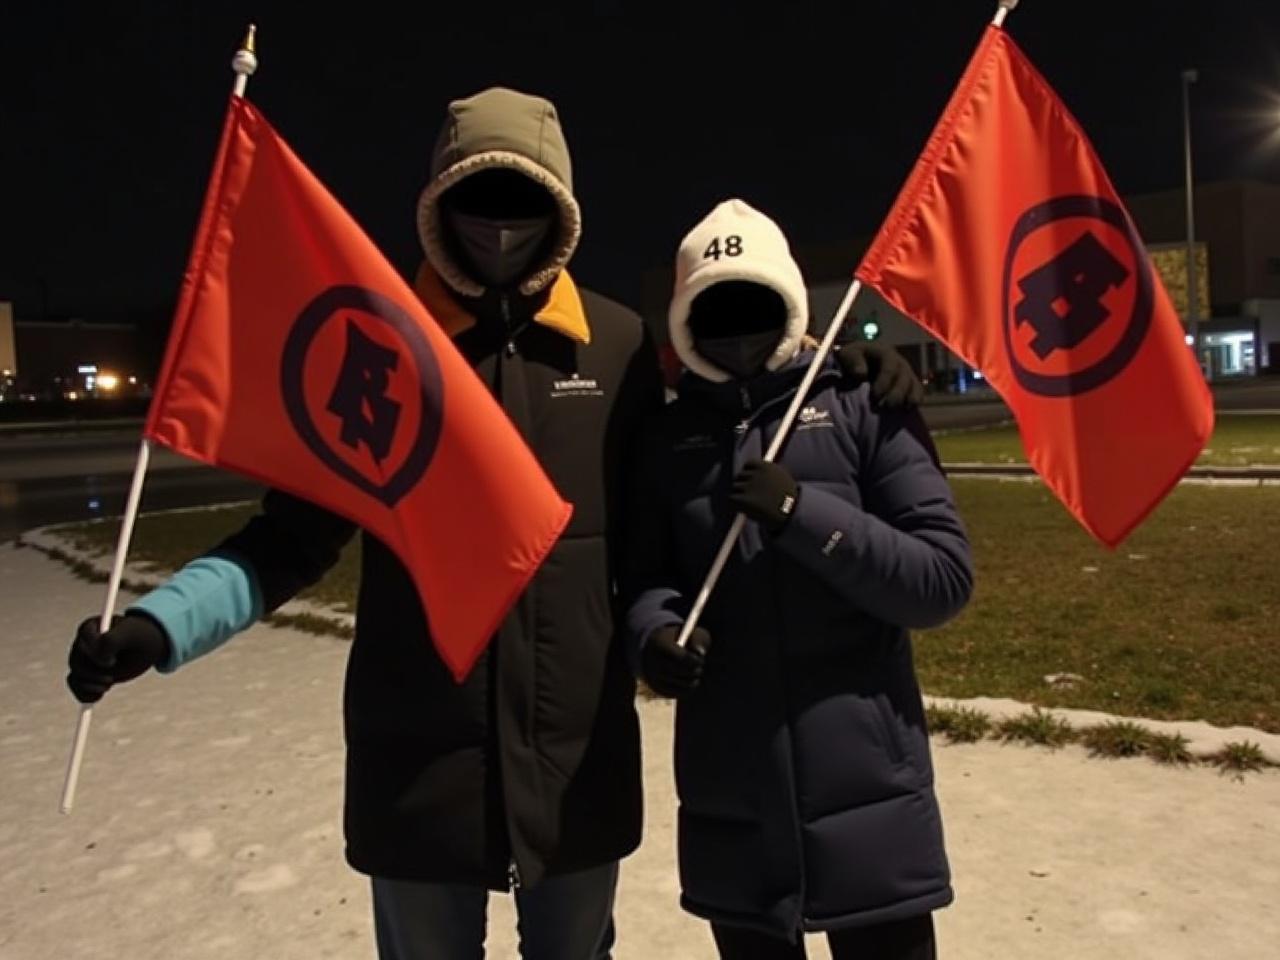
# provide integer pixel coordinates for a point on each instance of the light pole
(1193, 295)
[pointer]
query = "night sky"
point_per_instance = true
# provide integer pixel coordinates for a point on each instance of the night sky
(109, 119)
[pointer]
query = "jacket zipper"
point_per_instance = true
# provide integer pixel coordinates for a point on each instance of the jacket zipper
(505, 305)
(510, 351)
(745, 422)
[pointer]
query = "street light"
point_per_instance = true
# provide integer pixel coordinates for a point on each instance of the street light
(1193, 295)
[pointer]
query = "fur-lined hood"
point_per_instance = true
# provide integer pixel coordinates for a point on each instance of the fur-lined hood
(500, 128)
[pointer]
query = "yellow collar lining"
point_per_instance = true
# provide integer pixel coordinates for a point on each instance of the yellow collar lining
(563, 312)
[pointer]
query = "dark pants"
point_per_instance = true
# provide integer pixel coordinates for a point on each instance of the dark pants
(568, 917)
(905, 940)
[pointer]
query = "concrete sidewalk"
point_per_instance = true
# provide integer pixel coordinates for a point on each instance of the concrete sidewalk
(208, 824)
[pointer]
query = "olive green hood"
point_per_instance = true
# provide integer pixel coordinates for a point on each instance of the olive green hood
(500, 128)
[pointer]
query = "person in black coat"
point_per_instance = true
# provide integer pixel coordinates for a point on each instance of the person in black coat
(802, 761)
(524, 777)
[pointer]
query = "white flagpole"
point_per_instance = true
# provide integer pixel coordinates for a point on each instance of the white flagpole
(784, 428)
(244, 64)
(108, 611)
(731, 538)
(1002, 12)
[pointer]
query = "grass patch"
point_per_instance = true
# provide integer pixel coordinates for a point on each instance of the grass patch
(958, 724)
(1117, 738)
(1239, 758)
(991, 445)
(1237, 441)
(163, 542)
(1170, 748)
(311, 623)
(80, 568)
(1183, 620)
(166, 541)
(1037, 727)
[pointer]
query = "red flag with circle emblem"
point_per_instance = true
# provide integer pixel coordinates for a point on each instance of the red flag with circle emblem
(300, 358)
(1009, 244)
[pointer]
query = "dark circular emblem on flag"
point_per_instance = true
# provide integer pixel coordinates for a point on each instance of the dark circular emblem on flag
(1078, 295)
(363, 390)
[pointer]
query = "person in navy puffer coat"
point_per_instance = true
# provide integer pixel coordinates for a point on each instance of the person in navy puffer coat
(802, 761)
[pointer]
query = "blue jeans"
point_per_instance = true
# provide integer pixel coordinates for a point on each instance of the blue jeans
(568, 917)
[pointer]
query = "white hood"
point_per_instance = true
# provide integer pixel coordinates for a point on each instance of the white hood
(736, 242)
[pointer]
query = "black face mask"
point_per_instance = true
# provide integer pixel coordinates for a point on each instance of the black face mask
(499, 252)
(499, 223)
(736, 325)
(742, 356)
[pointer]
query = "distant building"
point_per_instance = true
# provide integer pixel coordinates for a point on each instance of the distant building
(73, 359)
(8, 352)
(1239, 223)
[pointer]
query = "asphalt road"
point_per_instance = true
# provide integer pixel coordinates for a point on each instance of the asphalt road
(56, 477)
(51, 477)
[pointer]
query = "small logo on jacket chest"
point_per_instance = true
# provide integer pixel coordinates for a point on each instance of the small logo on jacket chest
(811, 418)
(576, 386)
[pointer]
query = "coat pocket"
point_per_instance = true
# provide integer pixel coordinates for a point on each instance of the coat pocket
(890, 735)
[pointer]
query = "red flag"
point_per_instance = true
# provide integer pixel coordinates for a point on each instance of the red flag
(299, 357)
(1009, 243)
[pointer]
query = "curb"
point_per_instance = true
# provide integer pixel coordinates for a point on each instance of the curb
(979, 469)
(39, 427)
(1203, 738)
(139, 579)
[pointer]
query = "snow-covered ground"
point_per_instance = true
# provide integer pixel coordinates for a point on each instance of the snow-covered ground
(208, 823)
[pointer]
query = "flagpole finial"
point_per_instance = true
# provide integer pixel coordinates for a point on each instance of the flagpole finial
(1003, 11)
(245, 62)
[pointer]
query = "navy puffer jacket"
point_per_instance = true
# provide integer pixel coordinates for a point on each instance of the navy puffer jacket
(802, 761)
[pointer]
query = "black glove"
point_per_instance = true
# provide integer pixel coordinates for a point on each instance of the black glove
(895, 383)
(134, 644)
(670, 669)
(766, 493)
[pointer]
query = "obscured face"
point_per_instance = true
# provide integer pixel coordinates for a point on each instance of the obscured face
(499, 224)
(737, 325)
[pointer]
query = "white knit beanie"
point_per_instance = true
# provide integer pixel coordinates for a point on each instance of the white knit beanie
(736, 242)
